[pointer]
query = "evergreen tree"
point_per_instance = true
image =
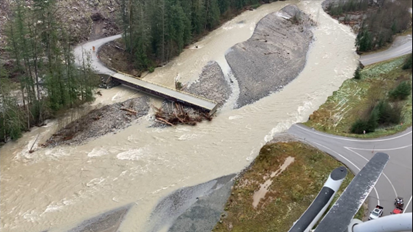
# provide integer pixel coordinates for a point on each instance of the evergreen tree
(155, 31)
(212, 14)
(12, 122)
(48, 78)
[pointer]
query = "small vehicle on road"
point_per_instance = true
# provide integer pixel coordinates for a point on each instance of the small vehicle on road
(376, 213)
(399, 203)
(396, 211)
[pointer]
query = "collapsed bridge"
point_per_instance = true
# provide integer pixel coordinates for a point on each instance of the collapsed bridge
(202, 104)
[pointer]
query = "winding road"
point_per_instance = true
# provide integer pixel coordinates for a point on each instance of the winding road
(401, 46)
(355, 153)
(87, 49)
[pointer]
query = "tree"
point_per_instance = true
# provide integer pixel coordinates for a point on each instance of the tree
(408, 63)
(357, 74)
(212, 14)
(11, 117)
(388, 114)
(359, 127)
(364, 40)
(155, 31)
(48, 78)
(381, 25)
(402, 91)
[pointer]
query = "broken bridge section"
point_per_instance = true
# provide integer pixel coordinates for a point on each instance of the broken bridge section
(185, 98)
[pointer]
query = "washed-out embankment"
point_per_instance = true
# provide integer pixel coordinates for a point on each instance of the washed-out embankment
(269, 60)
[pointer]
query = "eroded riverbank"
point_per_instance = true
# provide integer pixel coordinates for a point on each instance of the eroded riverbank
(141, 165)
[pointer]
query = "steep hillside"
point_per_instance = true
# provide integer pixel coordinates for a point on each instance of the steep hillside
(86, 19)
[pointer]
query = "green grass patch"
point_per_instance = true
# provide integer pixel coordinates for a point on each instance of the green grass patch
(355, 99)
(290, 193)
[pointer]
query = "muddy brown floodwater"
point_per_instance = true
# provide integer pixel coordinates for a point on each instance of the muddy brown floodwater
(62, 186)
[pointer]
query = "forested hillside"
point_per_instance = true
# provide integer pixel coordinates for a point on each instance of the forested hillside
(43, 63)
(155, 31)
(379, 21)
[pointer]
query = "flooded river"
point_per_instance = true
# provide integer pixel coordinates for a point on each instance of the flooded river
(62, 186)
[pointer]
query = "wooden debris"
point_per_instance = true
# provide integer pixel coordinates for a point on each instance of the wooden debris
(164, 121)
(31, 149)
(179, 115)
(207, 116)
(119, 48)
(130, 111)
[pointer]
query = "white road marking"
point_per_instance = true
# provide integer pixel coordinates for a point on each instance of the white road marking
(375, 190)
(384, 174)
(354, 140)
(407, 205)
(386, 149)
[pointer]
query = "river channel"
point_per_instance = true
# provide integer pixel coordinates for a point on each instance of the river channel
(62, 186)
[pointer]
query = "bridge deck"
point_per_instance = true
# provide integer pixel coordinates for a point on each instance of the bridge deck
(167, 93)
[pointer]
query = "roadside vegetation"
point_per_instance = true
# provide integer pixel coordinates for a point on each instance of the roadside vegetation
(290, 194)
(45, 77)
(347, 6)
(378, 23)
(377, 102)
(156, 31)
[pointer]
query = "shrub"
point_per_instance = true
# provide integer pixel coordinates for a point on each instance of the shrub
(347, 18)
(178, 85)
(382, 114)
(408, 63)
(3, 72)
(359, 127)
(151, 69)
(373, 121)
(357, 74)
(349, 6)
(255, 6)
(402, 91)
(388, 114)
(364, 40)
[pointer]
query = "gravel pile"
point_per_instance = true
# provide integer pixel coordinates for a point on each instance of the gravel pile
(107, 119)
(192, 209)
(273, 56)
(211, 84)
(106, 222)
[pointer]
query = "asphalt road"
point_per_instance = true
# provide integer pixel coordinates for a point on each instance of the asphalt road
(87, 49)
(355, 153)
(401, 46)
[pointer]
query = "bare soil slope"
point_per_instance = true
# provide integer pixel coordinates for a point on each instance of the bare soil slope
(86, 19)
